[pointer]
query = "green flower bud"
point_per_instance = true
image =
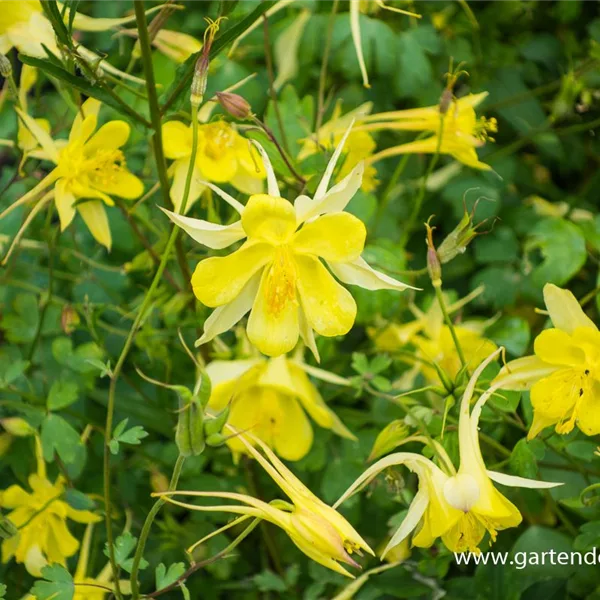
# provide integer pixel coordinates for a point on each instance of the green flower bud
(459, 238)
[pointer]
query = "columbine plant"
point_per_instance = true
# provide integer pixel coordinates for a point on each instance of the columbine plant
(277, 273)
(459, 506)
(563, 373)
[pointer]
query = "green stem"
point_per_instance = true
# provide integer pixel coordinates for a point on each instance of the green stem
(440, 297)
(139, 551)
(323, 73)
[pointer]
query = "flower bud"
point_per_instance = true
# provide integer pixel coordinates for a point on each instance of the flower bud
(433, 262)
(69, 319)
(459, 238)
(235, 105)
(5, 66)
(159, 482)
(17, 426)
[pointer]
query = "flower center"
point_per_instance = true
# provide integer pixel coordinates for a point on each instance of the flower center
(220, 139)
(483, 128)
(578, 383)
(280, 286)
(462, 491)
(101, 168)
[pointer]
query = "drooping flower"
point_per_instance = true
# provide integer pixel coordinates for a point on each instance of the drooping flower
(90, 168)
(318, 530)
(223, 156)
(24, 26)
(278, 271)
(270, 398)
(458, 506)
(433, 341)
(564, 372)
(359, 146)
(41, 518)
(460, 129)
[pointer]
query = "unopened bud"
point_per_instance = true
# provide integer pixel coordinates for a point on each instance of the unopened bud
(159, 482)
(235, 105)
(459, 238)
(69, 319)
(5, 66)
(434, 267)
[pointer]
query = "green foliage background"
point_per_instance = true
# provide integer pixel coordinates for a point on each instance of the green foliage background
(539, 61)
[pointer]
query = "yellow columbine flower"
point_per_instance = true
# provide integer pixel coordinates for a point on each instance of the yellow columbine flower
(462, 131)
(223, 156)
(359, 146)
(24, 26)
(278, 272)
(458, 506)
(433, 340)
(41, 517)
(89, 169)
(316, 528)
(564, 372)
(270, 398)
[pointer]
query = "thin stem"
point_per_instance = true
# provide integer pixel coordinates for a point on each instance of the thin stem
(139, 551)
(323, 73)
(270, 73)
(440, 298)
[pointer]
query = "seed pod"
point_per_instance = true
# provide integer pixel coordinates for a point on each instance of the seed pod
(216, 439)
(189, 435)
(203, 390)
(7, 528)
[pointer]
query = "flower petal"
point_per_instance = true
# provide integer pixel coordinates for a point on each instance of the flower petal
(358, 272)
(206, 233)
(273, 332)
(268, 218)
(522, 373)
(223, 318)
(41, 135)
(120, 183)
(588, 410)
(177, 139)
(272, 187)
(218, 280)
(521, 482)
(565, 311)
(329, 308)
(110, 136)
(64, 200)
(94, 216)
(338, 237)
(180, 171)
(291, 434)
(557, 347)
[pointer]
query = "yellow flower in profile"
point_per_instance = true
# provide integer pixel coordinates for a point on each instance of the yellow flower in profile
(24, 26)
(277, 273)
(90, 168)
(433, 340)
(461, 131)
(41, 518)
(564, 372)
(359, 146)
(317, 529)
(459, 506)
(270, 398)
(223, 156)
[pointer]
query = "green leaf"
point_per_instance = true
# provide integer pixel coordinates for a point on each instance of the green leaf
(522, 460)
(62, 394)
(511, 332)
(582, 449)
(389, 437)
(132, 436)
(267, 581)
(60, 437)
(562, 245)
(78, 500)
(13, 371)
(51, 11)
(3, 590)
(58, 585)
(123, 546)
(165, 577)
(84, 86)
(21, 324)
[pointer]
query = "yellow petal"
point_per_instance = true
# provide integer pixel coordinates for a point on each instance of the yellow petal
(359, 272)
(64, 201)
(338, 237)
(110, 136)
(273, 329)
(269, 219)
(94, 216)
(218, 280)
(290, 431)
(180, 169)
(588, 410)
(85, 23)
(177, 139)
(522, 373)
(357, 40)
(565, 311)
(329, 308)
(120, 183)
(554, 397)
(176, 45)
(286, 49)
(556, 347)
